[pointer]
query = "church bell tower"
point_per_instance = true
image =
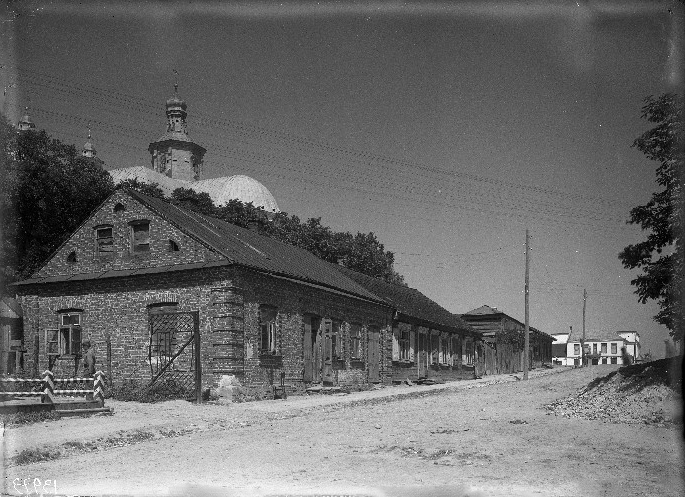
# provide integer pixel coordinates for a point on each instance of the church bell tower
(174, 154)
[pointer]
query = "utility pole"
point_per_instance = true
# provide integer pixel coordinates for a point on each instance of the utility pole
(526, 340)
(582, 342)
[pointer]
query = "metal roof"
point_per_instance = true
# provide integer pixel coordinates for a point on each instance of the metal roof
(409, 301)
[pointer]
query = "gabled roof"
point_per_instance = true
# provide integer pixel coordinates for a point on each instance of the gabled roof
(595, 336)
(410, 302)
(486, 310)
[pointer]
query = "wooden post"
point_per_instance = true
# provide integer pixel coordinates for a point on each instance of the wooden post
(36, 353)
(198, 359)
(48, 396)
(99, 388)
(108, 340)
(526, 340)
(582, 342)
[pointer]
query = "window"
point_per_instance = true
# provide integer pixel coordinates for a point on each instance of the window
(576, 349)
(173, 246)
(119, 207)
(594, 349)
(104, 240)
(614, 360)
(336, 342)
(355, 341)
(140, 236)
(267, 326)
(604, 348)
(404, 345)
(71, 258)
(435, 348)
(66, 340)
(614, 348)
(163, 328)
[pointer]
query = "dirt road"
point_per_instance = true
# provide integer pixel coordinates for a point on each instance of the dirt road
(466, 438)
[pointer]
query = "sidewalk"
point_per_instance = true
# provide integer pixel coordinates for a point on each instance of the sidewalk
(132, 422)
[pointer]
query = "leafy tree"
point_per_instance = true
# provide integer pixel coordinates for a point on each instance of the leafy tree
(149, 189)
(49, 190)
(194, 201)
(660, 256)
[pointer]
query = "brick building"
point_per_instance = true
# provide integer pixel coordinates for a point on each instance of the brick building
(144, 278)
(428, 340)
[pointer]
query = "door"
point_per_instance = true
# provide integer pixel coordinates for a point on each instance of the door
(373, 355)
(422, 355)
(311, 349)
(328, 352)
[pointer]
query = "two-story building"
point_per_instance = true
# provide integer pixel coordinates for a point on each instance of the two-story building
(601, 347)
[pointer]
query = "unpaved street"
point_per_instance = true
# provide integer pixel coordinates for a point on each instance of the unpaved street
(466, 437)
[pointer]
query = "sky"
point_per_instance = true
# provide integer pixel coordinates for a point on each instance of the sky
(448, 129)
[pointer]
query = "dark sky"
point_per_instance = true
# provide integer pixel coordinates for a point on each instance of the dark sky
(446, 128)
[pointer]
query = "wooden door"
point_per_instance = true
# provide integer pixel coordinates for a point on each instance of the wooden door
(308, 350)
(328, 351)
(311, 350)
(373, 355)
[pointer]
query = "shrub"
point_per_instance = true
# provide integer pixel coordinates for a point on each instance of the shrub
(25, 418)
(30, 456)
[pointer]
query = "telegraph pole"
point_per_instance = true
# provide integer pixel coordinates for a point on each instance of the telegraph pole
(526, 340)
(582, 342)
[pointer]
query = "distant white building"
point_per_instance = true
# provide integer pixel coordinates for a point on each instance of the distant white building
(601, 347)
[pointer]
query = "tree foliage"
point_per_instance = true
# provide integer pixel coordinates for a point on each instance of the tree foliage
(49, 189)
(660, 256)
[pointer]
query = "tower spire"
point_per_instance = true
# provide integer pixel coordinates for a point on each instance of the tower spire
(25, 122)
(88, 149)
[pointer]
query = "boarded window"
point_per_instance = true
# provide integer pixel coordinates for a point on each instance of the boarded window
(267, 325)
(104, 240)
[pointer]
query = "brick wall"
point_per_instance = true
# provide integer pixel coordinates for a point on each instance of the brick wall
(83, 242)
(228, 300)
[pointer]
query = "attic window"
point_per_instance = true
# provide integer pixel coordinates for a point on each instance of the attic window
(104, 240)
(173, 246)
(71, 257)
(140, 236)
(119, 207)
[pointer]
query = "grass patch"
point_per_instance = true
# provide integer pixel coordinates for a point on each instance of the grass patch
(32, 456)
(26, 418)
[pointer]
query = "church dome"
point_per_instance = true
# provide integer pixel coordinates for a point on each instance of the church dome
(176, 102)
(238, 187)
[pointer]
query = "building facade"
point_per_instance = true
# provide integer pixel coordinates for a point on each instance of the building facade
(141, 278)
(601, 347)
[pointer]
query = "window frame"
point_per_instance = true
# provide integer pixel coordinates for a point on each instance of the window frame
(404, 344)
(614, 348)
(99, 239)
(356, 342)
(576, 349)
(268, 330)
(132, 235)
(603, 348)
(66, 339)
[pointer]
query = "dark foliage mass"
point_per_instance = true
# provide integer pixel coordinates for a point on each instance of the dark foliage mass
(49, 189)
(660, 256)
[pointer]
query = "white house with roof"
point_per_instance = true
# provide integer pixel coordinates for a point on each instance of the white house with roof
(601, 347)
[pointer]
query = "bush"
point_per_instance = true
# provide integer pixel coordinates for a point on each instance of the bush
(251, 394)
(26, 418)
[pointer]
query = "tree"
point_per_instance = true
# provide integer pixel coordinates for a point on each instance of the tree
(660, 256)
(49, 189)
(149, 189)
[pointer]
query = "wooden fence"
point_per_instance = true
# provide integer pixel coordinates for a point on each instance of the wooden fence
(49, 387)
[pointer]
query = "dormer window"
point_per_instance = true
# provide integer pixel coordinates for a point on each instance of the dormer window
(104, 240)
(140, 236)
